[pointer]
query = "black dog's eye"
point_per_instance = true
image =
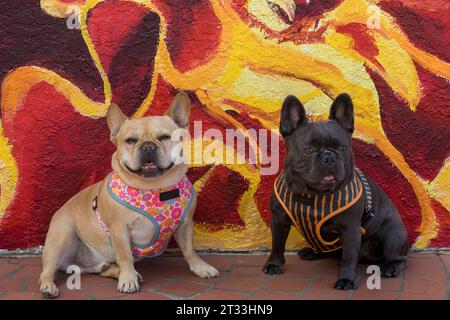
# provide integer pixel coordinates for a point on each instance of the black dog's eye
(163, 137)
(342, 148)
(131, 140)
(309, 150)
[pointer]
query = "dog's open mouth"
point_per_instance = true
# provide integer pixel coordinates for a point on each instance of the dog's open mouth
(148, 166)
(149, 170)
(329, 179)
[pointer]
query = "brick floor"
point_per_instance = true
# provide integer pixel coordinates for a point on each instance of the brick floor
(168, 277)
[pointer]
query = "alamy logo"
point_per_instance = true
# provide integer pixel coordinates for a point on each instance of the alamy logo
(374, 20)
(73, 18)
(74, 281)
(374, 280)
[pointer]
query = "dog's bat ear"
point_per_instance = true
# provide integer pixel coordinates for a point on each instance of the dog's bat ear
(180, 109)
(342, 111)
(115, 118)
(292, 115)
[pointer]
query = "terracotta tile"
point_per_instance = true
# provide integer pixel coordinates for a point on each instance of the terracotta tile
(274, 295)
(217, 294)
(30, 261)
(425, 269)
(285, 284)
(12, 284)
(324, 283)
(250, 260)
(66, 294)
(32, 271)
(328, 267)
(446, 259)
(323, 294)
(241, 278)
(144, 296)
(248, 271)
(21, 296)
(220, 262)
(32, 284)
(187, 275)
(7, 268)
(182, 288)
(421, 296)
(163, 261)
(91, 280)
(236, 283)
(170, 272)
(300, 270)
(106, 291)
(424, 286)
(153, 282)
(374, 295)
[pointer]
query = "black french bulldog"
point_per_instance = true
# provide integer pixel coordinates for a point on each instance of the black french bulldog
(338, 209)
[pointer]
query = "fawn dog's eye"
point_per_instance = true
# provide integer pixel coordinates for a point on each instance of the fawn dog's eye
(131, 141)
(163, 137)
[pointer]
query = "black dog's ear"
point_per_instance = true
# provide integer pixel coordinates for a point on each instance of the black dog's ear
(292, 115)
(342, 111)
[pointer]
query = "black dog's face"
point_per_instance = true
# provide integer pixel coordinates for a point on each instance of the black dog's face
(319, 155)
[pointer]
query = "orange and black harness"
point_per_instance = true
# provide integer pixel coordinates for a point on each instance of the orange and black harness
(309, 212)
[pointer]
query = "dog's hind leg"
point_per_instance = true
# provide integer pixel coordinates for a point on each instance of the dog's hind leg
(113, 271)
(59, 249)
(394, 251)
(394, 244)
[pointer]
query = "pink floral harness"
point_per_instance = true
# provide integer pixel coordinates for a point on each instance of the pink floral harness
(166, 209)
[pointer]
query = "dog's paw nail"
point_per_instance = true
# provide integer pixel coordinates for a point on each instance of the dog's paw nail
(345, 284)
(129, 283)
(272, 269)
(49, 290)
(204, 270)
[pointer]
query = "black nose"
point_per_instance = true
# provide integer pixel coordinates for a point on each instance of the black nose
(328, 158)
(148, 146)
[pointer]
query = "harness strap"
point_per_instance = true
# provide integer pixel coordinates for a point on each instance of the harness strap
(99, 217)
(368, 208)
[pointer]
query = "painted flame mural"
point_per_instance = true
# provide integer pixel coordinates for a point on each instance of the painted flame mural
(238, 59)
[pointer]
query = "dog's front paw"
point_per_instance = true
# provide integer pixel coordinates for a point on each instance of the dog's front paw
(129, 282)
(272, 269)
(345, 284)
(49, 290)
(204, 270)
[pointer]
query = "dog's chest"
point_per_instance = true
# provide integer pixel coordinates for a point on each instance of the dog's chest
(311, 214)
(142, 229)
(156, 213)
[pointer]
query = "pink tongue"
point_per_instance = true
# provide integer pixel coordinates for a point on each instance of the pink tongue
(328, 178)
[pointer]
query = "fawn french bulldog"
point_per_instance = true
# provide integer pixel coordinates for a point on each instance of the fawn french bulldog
(134, 211)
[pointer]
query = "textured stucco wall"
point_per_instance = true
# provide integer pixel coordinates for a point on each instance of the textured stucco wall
(238, 59)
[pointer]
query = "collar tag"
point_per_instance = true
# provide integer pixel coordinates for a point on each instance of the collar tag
(169, 195)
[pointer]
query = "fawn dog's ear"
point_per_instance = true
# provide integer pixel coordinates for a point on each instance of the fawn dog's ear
(342, 111)
(115, 118)
(180, 109)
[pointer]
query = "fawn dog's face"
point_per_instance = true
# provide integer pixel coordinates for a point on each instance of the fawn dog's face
(146, 146)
